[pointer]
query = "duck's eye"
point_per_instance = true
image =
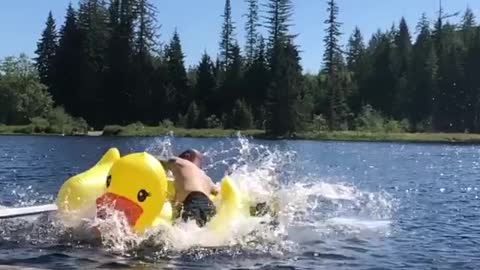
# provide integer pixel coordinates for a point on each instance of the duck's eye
(109, 180)
(142, 195)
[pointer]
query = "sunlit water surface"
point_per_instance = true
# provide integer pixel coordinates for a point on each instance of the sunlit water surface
(342, 206)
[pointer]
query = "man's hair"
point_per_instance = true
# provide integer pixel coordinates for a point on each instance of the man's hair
(191, 155)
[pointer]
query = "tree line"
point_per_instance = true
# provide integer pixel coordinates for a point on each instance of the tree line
(106, 65)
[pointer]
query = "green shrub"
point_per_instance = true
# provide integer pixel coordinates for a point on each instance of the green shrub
(181, 121)
(191, 118)
(242, 117)
(80, 125)
(166, 123)
(424, 126)
(112, 130)
(319, 123)
(29, 129)
(135, 126)
(213, 122)
(370, 120)
(60, 121)
(39, 124)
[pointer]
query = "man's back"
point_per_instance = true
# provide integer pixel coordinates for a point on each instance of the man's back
(189, 178)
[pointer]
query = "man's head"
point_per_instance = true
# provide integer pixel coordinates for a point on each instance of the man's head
(193, 156)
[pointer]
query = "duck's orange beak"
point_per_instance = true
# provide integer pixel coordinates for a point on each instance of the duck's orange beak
(131, 209)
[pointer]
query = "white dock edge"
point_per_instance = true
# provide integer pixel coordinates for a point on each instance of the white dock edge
(27, 211)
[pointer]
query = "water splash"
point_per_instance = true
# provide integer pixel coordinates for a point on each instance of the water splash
(305, 204)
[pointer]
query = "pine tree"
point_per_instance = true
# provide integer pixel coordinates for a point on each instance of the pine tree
(338, 108)
(228, 36)
(142, 68)
(192, 115)
(46, 51)
(256, 81)
(206, 86)
(468, 27)
(358, 66)
(231, 87)
(177, 89)
(422, 77)
(251, 28)
(285, 91)
(401, 62)
(93, 25)
(242, 117)
(278, 17)
(472, 82)
(382, 80)
(145, 36)
(68, 62)
(451, 97)
(119, 58)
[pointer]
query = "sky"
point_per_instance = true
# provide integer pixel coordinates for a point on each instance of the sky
(199, 22)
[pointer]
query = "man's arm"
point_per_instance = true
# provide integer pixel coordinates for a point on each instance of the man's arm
(214, 189)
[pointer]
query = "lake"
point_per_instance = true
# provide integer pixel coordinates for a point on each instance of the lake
(344, 205)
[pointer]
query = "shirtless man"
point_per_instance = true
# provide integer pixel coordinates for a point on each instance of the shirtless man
(192, 187)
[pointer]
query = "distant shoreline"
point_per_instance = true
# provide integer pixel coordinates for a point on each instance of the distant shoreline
(352, 136)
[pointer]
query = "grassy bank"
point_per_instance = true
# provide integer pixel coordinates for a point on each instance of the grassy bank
(136, 130)
(29, 130)
(146, 131)
(12, 130)
(392, 137)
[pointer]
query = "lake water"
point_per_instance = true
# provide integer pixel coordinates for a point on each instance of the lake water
(343, 205)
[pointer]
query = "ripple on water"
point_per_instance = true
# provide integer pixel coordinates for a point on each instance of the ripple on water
(344, 206)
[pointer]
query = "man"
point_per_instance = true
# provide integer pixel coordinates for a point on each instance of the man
(192, 187)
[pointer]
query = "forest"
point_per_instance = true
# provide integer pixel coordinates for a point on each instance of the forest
(105, 66)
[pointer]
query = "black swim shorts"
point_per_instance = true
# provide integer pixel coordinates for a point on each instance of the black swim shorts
(199, 207)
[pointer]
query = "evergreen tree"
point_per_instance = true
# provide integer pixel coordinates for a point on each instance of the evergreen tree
(382, 80)
(284, 93)
(68, 62)
(472, 82)
(256, 81)
(422, 76)
(278, 22)
(227, 41)
(192, 116)
(338, 108)
(206, 86)
(145, 35)
(356, 49)
(251, 28)
(401, 58)
(143, 68)
(358, 66)
(468, 27)
(285, 90)
(92, 22)
(242, 117)
(119, 90)
(232, 85)
(177, 88)
(46, 51)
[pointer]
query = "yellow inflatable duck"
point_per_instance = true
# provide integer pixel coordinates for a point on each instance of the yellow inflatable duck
(137, 186)
(76, 197)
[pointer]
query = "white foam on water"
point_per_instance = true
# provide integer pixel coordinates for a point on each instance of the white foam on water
(319, 206)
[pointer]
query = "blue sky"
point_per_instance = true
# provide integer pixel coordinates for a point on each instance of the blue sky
(22, 21)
